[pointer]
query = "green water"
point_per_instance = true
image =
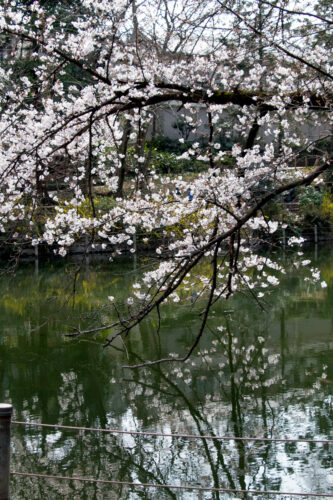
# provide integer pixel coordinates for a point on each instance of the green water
(266, 374)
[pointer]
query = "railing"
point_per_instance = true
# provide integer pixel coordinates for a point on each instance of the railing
(5, 424)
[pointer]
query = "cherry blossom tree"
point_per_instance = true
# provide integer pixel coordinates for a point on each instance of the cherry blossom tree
(100, 80)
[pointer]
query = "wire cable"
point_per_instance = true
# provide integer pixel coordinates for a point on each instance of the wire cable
(172, 486)
(184, 436)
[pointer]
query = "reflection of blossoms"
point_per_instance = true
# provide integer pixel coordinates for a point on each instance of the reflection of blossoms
(243, 367)
(249, 366)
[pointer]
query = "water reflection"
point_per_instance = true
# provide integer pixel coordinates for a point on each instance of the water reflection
(256, 374)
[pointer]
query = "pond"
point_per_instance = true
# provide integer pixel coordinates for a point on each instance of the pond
(264, 374)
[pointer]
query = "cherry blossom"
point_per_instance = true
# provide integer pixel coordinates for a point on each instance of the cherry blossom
(82, 120)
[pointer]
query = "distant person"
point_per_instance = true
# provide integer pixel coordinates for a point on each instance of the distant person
(290, 196)
(189, 194)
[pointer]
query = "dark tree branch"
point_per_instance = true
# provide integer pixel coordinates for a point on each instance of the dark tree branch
(61, 54)
(318, 69)
(296, 12)
(202, 326)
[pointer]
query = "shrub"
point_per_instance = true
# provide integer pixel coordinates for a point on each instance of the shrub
(310, 201)
(327, 206)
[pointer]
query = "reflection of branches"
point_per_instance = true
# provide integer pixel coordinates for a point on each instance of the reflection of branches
(199, 421)
(235, 363)
(230, 464)
(236, 397)
(133, 461)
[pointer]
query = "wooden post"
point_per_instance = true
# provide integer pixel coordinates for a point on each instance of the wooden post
(86, 244)
(87, 251)
(5, 418)
(134, 256)
(36, 261)
(134, 242)
(316, 234)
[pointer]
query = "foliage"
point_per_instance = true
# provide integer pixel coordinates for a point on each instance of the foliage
(327, 206)
(310, 200)
(165, 144)
(166, 163)
(104, 204)
(315, 207)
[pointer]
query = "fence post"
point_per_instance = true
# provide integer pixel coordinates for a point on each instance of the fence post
(36, 260)
(5, 418)
(316, 234)
(134, 247)
(284, 238)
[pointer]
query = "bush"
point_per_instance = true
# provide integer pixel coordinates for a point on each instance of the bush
(316, 207)
(327, 206)
(167, 163)
(104, 203)
(310, 200)
(165, 144)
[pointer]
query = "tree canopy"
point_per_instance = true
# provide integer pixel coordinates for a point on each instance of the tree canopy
(83, 120)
